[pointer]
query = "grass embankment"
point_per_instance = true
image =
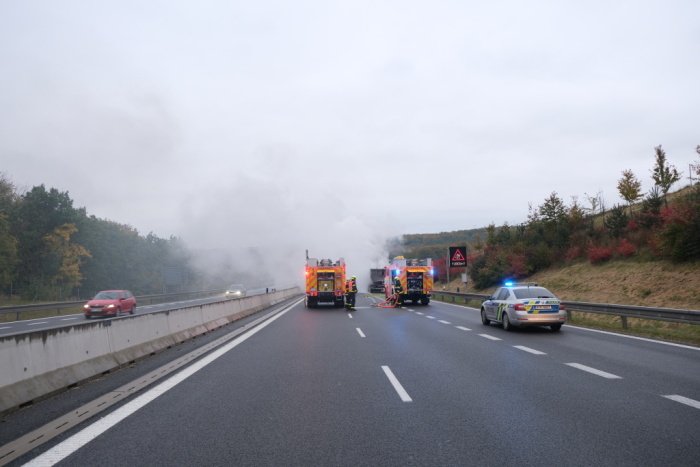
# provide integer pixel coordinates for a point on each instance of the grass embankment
(629, 282)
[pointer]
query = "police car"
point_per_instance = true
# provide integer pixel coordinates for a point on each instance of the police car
(523, 305)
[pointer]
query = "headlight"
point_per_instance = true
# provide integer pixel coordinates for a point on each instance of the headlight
(86, 306)
(110, 306)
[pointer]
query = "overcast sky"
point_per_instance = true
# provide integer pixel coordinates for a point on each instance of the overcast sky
(333, 125)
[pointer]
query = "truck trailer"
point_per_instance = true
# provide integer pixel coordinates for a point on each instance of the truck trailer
(376, 280)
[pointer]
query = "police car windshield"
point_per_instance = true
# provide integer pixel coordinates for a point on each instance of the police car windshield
(533, 292)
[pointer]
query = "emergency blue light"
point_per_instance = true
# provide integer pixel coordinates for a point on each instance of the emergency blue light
(432, 272)
(508, 283)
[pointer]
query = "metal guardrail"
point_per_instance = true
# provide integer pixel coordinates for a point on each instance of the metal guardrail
(623, 311)
(140, 300)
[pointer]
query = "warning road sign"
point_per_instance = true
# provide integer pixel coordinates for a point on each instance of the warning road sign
(458, 256)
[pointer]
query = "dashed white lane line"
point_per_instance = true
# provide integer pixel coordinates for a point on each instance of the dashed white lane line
(431, 317)
(528, 349)
(683, 400)
(594, 371)
(410, 309)
(350, 315)
(40, 322)
(67, 319)
(6, 327)
(463, 328)
(359, 331)
(443, 321)
(397, 386)
(493, 338)
(420, 313)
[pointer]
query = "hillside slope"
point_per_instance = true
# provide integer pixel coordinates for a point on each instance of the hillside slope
(628, 282)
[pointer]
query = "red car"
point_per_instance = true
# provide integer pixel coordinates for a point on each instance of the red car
(110, 303)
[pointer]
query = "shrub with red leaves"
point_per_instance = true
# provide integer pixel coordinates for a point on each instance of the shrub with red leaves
(599, 254)
(625, 248)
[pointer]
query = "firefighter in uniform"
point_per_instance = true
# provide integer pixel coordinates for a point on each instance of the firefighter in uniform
(350, 293)
(398, 290)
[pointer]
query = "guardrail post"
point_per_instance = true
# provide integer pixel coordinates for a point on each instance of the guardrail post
(624, 321)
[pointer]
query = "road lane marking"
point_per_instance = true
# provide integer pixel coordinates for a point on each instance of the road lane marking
(431, 317)
(528, 349)
(410, 309)
(6, 327)
(397, 386)
(493, 338)
(683, 400)
(420, 313)
(463, 328)
(600, 373)
(359, 331)
(89, 433)
(350, 315)
(443, 321)
(40, 322)
(67, 319)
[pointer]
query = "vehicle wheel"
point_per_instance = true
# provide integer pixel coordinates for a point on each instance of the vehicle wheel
(119, 312)
(87, 317)
(484, 320)
(425, 301)
(506, 322)
(133, 310)
(555, 327)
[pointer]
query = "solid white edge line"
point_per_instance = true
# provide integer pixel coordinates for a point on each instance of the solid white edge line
(683, 400)
(397, 386)
(600, 331)
(359, 331)
(594, 371)
(646, 339)
(493, 338)
(443, 321)
(40, 322)
(528, 349)
(463, 328)
(87, 434)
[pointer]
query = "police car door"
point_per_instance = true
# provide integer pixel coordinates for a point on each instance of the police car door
(491, 306)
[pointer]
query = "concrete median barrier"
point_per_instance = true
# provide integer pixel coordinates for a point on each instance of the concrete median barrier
(37, 364)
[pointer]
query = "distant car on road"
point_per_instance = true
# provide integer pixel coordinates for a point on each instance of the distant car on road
(110, 303)
(235, 291)
(523, 305)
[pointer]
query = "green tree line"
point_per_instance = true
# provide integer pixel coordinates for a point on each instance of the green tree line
(51, 250)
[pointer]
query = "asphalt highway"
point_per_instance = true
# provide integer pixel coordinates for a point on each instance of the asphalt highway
(413, 386)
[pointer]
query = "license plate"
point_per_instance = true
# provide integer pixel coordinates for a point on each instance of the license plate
(543, 307)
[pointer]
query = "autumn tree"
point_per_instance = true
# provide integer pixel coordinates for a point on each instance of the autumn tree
(68, 256)
(663, 173)
(629, 187)
(8, 253)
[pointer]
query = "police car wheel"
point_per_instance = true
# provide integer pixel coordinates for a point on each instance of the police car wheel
(506, 322)
(484, 320)
(555, 327)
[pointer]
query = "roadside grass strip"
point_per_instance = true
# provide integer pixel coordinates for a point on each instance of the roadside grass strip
(602, 374)
(493, 338)
(683, 400)
(396, 384)
(529, 350)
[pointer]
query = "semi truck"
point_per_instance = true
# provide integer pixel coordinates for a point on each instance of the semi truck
(325, 282)
(376, 280)
(415, 277)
